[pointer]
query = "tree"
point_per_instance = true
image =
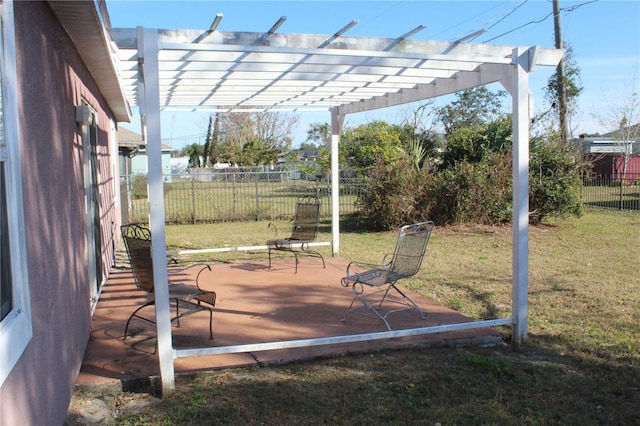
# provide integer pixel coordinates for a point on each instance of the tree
(255, 138)
(572, 86)
(363, 146)
(214, 152)
(194, 152)
(207, 143)
(319, 134)
(473, 144)
(273, 129)
(422, 143)
(472, 108)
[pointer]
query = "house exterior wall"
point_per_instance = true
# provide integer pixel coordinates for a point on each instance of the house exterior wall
(612, 165)
(52, 80)
(139, 164)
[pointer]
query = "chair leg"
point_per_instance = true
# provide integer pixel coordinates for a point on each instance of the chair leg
(358, 291)
(177, 313)
(384, 297)
(200, 306)
(376, 311)
(365, 304)
(408, 299)
(134, 314)
(210, 324)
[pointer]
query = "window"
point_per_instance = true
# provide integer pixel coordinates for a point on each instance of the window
(15, 313)
(6, 286)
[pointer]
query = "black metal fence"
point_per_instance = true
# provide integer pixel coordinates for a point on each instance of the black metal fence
(209, 196)
(611, 191)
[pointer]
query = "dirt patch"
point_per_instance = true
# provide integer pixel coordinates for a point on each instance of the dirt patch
(87, 408)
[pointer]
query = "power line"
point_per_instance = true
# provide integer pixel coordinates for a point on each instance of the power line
(500, 19)
(467, 20)
(566, 9)
(522, 3)
(518, 28)
(384, 12)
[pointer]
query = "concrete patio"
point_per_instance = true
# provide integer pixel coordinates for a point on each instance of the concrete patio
(254, 304)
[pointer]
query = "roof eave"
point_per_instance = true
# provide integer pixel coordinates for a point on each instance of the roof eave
(86, 23)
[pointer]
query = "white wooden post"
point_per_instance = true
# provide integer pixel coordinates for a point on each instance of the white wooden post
(336, 128)
(148, 45)
(519, 89)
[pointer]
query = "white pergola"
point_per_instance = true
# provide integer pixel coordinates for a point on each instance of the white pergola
(216, 71)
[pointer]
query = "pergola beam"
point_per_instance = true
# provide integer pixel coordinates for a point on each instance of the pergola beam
(483, 75)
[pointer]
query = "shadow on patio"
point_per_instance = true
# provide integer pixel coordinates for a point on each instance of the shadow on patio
(254, 305)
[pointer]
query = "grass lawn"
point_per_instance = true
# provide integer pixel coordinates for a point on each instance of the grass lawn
(580, 365)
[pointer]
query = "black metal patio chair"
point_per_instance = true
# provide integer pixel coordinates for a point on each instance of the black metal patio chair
(137, 241)
(304, 229)
(372, 284)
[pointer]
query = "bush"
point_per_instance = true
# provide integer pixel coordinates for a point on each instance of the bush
(467, 192)
(388, 200)
(554, 183)
(470, 192)
(473, 192)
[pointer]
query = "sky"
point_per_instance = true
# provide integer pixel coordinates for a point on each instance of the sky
(604, 36)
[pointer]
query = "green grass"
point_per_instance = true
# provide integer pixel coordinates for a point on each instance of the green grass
(581, 364)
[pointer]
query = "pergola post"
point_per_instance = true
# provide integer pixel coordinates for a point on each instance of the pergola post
(337, 120)
(148, 45)
(518, 87)
(372, 74)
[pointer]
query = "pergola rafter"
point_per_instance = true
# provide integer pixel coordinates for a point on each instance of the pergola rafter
(227, 71)
(214, 71)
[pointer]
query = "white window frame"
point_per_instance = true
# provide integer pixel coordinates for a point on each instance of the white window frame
(16, 328)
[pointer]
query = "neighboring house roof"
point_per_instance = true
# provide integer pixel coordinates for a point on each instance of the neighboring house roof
(631, 130)
(129, 139)
(133, 140)
(606, 145)
(86, 25)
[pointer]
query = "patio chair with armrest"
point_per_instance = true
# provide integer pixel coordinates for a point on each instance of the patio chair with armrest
(304, 229)
(372, 284)
(137, 241)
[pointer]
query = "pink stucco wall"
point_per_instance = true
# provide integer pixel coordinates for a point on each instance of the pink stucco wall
(52, 81)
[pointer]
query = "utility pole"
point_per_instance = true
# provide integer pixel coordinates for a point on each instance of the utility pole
(561, 80)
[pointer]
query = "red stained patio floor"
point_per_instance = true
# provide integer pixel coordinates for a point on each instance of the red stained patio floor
(254, 304)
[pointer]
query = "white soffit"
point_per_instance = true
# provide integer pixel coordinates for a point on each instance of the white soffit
(239, 71)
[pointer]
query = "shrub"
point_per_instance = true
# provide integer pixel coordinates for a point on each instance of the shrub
(388, 200)
(479, 192)
(473, 192)
(554, 183)
(467, 192)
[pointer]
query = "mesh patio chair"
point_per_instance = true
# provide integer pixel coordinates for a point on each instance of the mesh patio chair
(304, 229)
(137, 241)
(374, 285)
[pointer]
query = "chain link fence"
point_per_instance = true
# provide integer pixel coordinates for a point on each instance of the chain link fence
(223, 196)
